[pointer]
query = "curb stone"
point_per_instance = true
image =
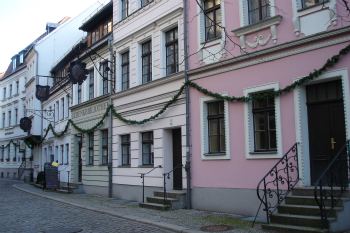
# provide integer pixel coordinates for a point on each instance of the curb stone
(166, 226)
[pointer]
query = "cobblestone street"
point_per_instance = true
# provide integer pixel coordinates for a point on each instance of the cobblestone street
(23, 212)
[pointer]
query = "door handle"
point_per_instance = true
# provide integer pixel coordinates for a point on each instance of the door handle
(333, 142)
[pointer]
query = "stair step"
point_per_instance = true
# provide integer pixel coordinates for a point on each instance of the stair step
(306, 210)
(160, 200)
(154, 206)
(63, 191)
(309, 200)
(309, 191)
(298, 220)
(170, 194)
(292, 228)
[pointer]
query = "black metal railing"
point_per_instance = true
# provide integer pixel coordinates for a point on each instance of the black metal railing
(142, 175)
(332, 183)
(167, 176)
(278, 182)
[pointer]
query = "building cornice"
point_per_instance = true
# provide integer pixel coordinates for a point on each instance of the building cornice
(150, 85)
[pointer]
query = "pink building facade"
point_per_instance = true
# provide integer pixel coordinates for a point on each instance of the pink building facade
(262, 47)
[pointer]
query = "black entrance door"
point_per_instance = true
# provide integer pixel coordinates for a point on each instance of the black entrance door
(177, 159)
(326, 124)
(80, 162)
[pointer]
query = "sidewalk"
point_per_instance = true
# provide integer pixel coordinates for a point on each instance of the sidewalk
(189, 221)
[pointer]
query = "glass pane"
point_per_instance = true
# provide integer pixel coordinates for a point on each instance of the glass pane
(273, 140)
(260, 140)
(213, 144)
(208, 4)
(272, 121)
(222, 144)
(260, 121)
(213, 127)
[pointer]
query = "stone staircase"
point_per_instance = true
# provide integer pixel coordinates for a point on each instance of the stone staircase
(175, 200)
(300, 212)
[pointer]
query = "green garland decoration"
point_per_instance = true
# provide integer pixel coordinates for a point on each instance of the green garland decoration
(313, 75)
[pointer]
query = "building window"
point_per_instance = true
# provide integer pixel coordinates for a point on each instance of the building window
(147, 148)
(125, 8)
(258, 10)
(95, 35)
(16, 116)
(3, 120)
(125, 71)
(14, 65)
(216, 127)
(104, 139)
(52, 156)
(91, 148)
(145, 2)
(10, 120)
(310, 3)
(107, 27)
(171, 45)
(212, 14)
(57, 113)
(146, 62)
(8, 153)
(62, 154)
(10, 90)
(67, 101)
(125, 149)
(79, 94)
(46, 156)
(17, 87)
(263, 110)
(67, 154)
(91, 84)
(104, 68)
(4, 93)
(62, 103)
(56, 153)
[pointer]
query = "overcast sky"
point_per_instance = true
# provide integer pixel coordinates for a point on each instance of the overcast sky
(22, 21)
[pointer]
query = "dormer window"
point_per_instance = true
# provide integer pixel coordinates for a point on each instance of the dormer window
(14, 65)
(21, 58)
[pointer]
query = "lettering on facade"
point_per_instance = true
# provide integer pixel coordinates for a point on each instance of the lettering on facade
(97, 108)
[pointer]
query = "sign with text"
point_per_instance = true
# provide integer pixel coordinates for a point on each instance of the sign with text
(51, 176)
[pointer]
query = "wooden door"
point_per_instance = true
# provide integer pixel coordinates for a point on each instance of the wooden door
(326, 124)
(177, 159)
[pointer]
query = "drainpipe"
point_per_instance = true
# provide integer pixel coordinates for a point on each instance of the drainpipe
(110, 86)
(187, 96)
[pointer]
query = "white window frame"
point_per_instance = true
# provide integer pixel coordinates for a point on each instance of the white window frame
(201, 25)
(248, 124)
(243, 12)
(204, 131)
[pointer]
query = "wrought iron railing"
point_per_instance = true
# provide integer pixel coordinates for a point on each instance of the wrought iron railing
(278, 182)
(142, 175)
(332, 183)
(167, 176)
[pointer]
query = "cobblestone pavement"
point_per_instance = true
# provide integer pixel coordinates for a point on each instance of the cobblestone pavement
(23, 212)
(177, 220)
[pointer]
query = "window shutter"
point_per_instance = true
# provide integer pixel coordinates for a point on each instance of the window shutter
(298, 4)
(245, 12)
(201, 26)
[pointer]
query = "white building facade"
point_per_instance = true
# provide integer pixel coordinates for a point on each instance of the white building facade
(149, 73)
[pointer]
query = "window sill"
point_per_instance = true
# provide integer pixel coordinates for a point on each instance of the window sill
(264, 155)
(146, 166)
(272, 21)
(211, 42)
(215, 156)
(124, 166)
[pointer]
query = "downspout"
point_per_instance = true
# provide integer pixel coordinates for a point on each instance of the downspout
(110, 86)
(188, 119)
